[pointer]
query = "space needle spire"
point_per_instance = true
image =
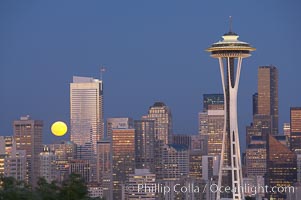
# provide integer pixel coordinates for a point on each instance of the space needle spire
(230, 52)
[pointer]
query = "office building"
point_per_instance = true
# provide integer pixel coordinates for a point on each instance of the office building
(299, 167)
(145, 144)
(256, 157)
(82, 168)
(143, 184)
(15, 164)
(211, 124)
(161, 114)
(175, 162)
(28, 137)
(64, 151)
(118, 123)
(47, 163)
(212, 99)
(123, 153)
(261, 126)
(255, 103)
(104, 168)
(268, 94)
(295, 127)
(287, 129)
(281, 167)
(86, 112)
(95, 191)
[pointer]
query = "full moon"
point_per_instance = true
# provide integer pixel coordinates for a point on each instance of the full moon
(59, 128)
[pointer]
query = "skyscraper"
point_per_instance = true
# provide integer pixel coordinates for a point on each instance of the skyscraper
(261, 126)
(295, 125)
(118, 123)
(256, 157)
(211, 124)
(212, 99)
(268, 94)
(16, 165)
(28, 136)
(141, 177)
(281, 167)
(104, 167)
(145, 144)
(175, 161)
(86, 111)
(64, 152)
(163, 121)
(6, 143)
(255, 103)
(230, 51)
(82, 168)
(47, 163)
(123, 152)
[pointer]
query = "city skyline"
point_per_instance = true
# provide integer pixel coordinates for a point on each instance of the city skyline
(127, 77)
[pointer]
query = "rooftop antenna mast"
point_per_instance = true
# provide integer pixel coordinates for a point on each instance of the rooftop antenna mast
(230, 24)
(102, 70)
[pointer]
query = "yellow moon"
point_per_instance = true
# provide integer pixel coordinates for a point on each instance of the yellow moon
(59, 128)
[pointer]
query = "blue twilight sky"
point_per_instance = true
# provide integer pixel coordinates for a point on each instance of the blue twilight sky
(153, 51)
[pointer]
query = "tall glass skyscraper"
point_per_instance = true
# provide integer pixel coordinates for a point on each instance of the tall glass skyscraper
(268, 94)
(86, 111)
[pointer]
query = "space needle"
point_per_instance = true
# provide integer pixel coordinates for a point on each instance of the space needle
(230, 52)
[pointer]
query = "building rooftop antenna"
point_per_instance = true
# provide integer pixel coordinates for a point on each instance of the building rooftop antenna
(230, 24)
(102, 70)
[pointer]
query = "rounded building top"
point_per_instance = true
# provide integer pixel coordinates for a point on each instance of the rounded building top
(159, 104)
(230, 46)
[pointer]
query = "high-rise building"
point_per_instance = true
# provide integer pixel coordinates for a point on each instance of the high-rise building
(196, 151)
(15, 164)
(256, 157)
(82, 168)
(118, 123)
(144, 178)
(47, 163)
(86, 111)
(104, 168)
(210, 166)
(281, 167)
(299, 168)
(123, 163)
(210, 169)
(268, 94)
(95, 191)
(28, 137)
(287, 129)
(64, 152)
(211, 124)
(255, 103)
(195, 166)
(295, 126)
(145, 144)
(261, 126)
(6, 143)
(163, 121)
(212, 99)
(183, 139)
(175, 161)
